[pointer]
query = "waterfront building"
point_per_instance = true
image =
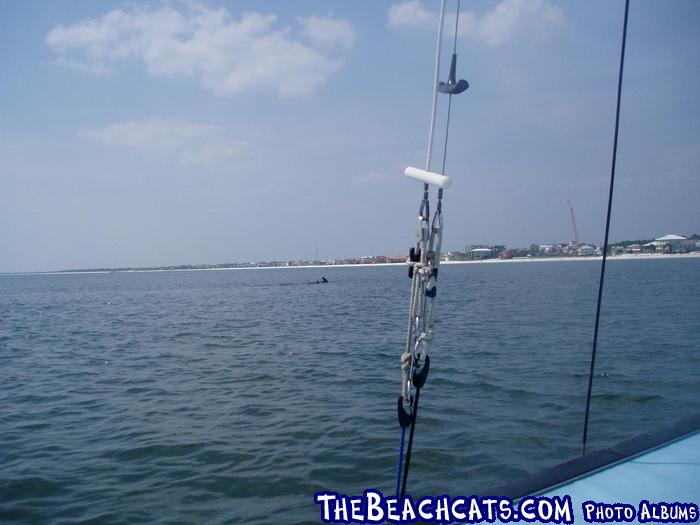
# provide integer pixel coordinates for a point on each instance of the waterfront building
(586, 250)
(670, 243)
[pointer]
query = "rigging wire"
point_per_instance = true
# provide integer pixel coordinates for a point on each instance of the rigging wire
(449, 103)
(438, 50)
(420, 289)
(424, 215)
(607, 228)
(449, 110)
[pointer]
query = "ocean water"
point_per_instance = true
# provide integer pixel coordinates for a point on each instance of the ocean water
(233, 396)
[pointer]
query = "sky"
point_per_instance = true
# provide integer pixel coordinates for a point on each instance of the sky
(204, 132)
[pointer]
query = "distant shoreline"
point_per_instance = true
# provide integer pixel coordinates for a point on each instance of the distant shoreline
(623, 257)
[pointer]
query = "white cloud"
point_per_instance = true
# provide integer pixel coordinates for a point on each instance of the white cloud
(225, 54)
(213, 153)
(411, 14)
(513, 18)
(189, 143)
(97, 69)
(328, 32)
(506, 21)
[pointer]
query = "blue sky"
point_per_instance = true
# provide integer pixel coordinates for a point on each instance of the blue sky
(228, 131)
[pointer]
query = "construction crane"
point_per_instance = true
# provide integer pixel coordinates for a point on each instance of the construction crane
(573, 221)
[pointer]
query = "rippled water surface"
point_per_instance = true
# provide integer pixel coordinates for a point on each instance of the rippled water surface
(227, 396)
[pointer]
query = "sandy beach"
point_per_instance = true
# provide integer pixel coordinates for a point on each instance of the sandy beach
(624, 257)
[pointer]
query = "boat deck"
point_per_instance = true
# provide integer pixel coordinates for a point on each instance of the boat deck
(658, 467)
(668, 473)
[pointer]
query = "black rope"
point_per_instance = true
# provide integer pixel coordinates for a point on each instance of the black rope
(414, 416)
(607, 228)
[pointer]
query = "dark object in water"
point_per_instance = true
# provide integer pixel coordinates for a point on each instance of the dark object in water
(322, 281)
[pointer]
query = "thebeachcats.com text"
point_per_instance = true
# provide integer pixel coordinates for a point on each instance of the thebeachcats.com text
(374, 507)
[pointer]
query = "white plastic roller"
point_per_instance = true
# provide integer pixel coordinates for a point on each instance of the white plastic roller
(428, 177)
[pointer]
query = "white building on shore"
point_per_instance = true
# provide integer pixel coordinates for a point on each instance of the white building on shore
(670, 243)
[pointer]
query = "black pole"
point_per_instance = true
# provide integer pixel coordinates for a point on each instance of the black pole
(607, 228)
